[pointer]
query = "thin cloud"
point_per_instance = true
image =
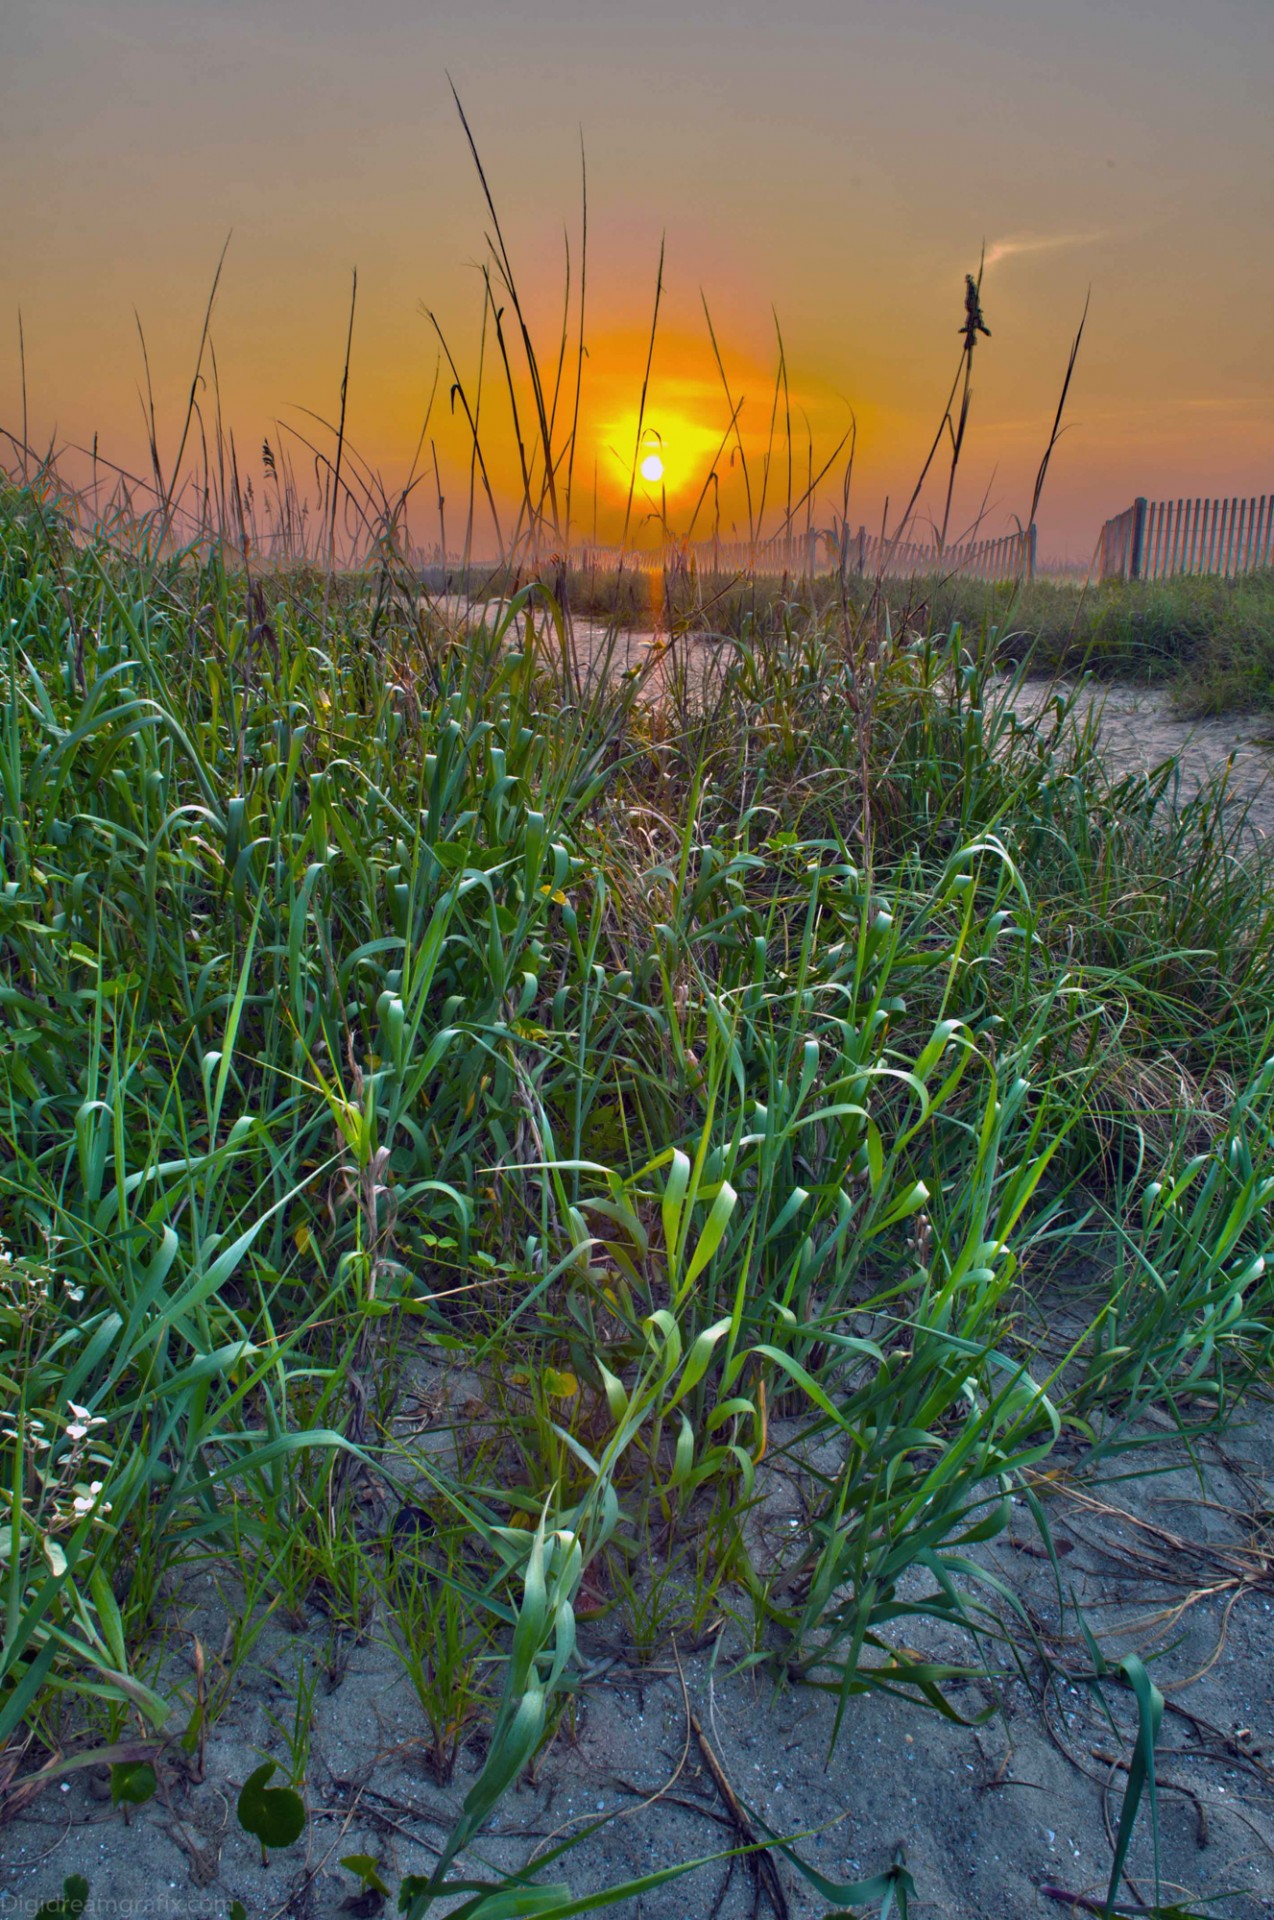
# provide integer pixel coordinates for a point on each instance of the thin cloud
(1005, 249)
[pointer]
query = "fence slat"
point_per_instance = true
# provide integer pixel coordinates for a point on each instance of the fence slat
(1155, 523)
(1244, 534)
(1238, 514)
(1170, 541)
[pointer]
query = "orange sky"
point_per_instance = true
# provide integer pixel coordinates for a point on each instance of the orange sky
(841, 161)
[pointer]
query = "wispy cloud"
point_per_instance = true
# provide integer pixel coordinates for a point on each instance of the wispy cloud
(1005, 249)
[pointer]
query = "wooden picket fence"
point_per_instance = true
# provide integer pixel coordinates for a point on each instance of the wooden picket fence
(1009, 557)
(1159, 539)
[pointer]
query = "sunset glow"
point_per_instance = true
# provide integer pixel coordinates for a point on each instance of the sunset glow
(1085, 166)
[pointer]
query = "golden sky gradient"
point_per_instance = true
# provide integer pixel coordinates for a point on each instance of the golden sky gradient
(841, 162)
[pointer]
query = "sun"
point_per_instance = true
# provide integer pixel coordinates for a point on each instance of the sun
(652, 469)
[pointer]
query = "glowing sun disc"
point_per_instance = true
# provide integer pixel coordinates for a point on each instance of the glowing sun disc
(652, 469)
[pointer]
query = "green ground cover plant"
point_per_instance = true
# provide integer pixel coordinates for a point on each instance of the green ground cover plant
(722, 1078)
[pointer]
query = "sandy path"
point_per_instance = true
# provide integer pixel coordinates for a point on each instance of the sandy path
(1139, 730)
(1138, 725)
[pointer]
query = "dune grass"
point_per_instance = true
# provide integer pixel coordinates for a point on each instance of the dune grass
(1209, 642)
(772, 1061)
(722, 1075)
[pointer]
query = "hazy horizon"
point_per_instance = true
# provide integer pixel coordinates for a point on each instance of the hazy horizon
(844, 165)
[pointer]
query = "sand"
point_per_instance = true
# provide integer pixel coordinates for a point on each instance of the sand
(1174, 1563)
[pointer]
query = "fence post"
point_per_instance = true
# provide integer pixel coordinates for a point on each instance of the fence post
(1030, 551)
(1136, 558)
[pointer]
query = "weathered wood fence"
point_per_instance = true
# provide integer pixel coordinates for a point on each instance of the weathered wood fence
(1010, 557)
(819, 551)
(1158, 539)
